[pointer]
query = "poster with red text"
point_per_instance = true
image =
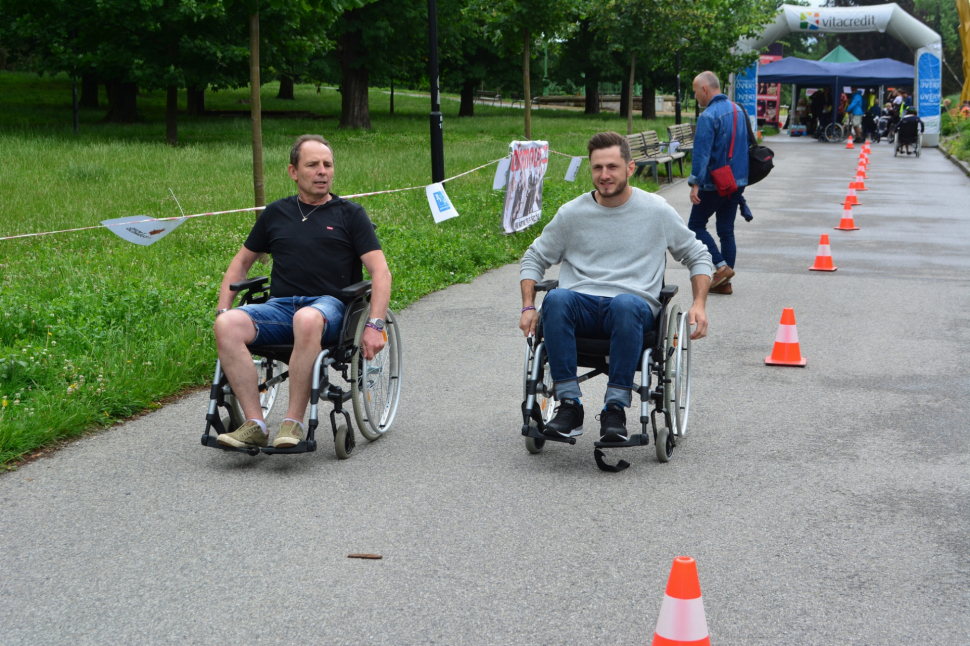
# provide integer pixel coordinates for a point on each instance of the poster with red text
(769, 97)
(523, 191)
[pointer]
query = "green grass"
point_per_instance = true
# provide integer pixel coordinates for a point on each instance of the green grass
(94, 329)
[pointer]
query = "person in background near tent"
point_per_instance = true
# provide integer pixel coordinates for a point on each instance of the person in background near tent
(856, 110)
(720, 125)
(911, 117)
(907, 102)
(801, 113)
(871, 119)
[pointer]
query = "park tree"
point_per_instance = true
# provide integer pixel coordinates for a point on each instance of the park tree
(515, 24)
(372, 39)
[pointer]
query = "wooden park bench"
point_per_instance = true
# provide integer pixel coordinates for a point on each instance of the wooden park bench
(647, 151)
(684, 135)
(481, 96)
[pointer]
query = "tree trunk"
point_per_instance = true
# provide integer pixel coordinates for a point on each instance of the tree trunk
(196, 101)
(259, 191)
(624, 97)
(629, 107)
(527, 90)
(648, 107)
(172, 116)
(89, 91)
(392, 96)
(467, 107)
(122, 102)
(286, 88)
(592, 93)
(354, 106)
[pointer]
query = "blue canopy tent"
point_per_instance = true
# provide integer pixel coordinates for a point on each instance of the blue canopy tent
(801, 72)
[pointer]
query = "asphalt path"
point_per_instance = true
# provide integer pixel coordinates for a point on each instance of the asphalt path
(824, 505)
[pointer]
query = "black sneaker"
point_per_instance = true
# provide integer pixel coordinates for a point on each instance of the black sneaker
(613, 424)
(568, 420)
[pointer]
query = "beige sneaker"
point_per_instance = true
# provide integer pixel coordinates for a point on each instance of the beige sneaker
(722, 274)
(291, 434)
(249, 434)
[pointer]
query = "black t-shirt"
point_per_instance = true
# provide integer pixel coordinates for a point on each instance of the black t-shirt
(316, 257)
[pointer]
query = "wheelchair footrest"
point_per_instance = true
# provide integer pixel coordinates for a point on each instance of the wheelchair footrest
(640, 439)
(211, 441)
(302, 447)
(531, 431)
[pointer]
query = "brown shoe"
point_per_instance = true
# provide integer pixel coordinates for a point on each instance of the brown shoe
(720, 275)
(723, 288)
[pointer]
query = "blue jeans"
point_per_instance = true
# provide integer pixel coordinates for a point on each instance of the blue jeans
(274, 318)
(726, 209)
(622, 319)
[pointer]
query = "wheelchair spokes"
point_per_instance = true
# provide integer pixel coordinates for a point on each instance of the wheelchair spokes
(376, 382)
(269, 373)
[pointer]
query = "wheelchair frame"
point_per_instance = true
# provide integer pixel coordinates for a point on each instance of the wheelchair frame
(668, 358)
(897, 144)
(343, 355)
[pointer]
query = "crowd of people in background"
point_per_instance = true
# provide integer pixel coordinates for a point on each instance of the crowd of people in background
(860, 108)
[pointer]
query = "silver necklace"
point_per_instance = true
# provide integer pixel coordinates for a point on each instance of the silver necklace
(311, 212)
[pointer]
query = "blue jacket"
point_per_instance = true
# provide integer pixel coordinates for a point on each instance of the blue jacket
(855, 105)
(712, 141)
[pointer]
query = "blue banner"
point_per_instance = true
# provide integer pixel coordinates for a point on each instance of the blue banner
(746, 89)
(928, 93)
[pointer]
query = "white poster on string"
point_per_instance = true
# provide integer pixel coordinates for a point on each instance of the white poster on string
(141, 229)
(523, 194)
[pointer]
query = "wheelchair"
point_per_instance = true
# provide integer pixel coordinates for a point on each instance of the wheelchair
(907, 133)
(664, 383)
(375, 384)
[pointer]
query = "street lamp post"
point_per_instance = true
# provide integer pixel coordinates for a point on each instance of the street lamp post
(437, 123)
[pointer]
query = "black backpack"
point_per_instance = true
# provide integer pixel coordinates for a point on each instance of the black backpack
(759, 157)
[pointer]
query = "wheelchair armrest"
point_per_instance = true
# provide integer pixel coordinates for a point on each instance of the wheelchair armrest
(547, 285)
(250, 283)
(668, 292)
(357, 289)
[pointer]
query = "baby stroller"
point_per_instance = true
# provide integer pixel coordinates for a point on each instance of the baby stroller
(882, 129)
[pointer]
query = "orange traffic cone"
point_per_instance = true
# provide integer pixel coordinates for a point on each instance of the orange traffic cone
(786, 352)
(847, 223)
(682, 621)
(849, 145)
(860, 182)
(861, 168)
(823, 260)
(851, 199)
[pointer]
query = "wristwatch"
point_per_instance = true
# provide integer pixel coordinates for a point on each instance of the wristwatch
(377, 324)
(222, 311)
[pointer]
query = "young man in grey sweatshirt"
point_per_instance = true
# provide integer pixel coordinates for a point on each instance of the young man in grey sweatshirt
(612, 243)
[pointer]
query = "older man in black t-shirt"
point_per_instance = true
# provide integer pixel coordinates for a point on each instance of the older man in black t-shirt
(318, 242)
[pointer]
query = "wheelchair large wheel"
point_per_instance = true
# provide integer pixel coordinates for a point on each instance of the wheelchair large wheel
(896, 146)
(677, 371)
(376, 383)
(919, 144)
(266, 369)
(834, 133)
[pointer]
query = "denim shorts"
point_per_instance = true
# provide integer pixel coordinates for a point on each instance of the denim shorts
(274, 318)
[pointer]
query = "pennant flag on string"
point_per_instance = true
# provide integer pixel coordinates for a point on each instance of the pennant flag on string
(501, 174)
(141, 229)
(441, 207)
(573, 169)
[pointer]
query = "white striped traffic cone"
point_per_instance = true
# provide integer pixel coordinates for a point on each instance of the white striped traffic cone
(786, 351)
(823, 260)
(682, 621)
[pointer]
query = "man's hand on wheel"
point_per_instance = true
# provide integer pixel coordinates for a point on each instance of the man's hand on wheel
(528, 322)
(371, 342)
(699, 316)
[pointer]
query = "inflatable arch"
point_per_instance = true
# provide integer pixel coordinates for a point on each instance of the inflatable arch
(885, 18)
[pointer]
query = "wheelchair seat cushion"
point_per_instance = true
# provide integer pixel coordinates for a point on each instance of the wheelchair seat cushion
(601, 347)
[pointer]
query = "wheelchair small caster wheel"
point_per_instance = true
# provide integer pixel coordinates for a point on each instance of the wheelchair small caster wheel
(343, 440)
(665, 444)
(534, 446)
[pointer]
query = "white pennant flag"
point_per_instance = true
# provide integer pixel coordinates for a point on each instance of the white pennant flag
(141, 229)
(441, 207)
(501, 174)
(573, 169)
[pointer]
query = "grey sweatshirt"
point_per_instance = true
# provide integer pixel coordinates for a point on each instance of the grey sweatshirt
(607, 251)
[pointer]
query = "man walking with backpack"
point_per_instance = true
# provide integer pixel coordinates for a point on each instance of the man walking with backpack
(719, 173)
